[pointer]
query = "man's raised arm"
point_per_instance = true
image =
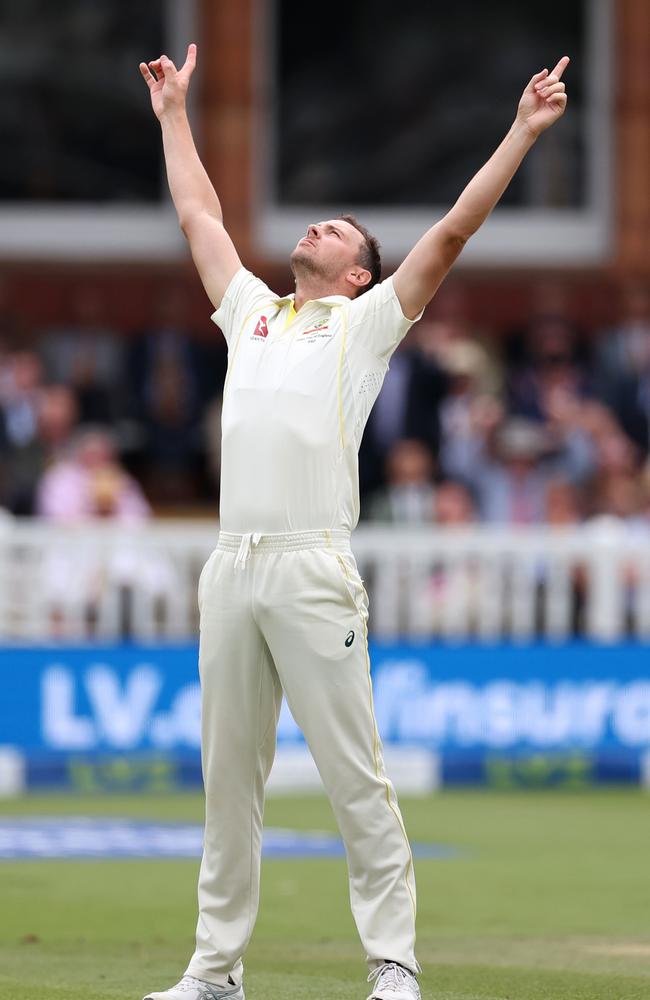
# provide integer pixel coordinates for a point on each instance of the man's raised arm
(416, 280)
(194, 197)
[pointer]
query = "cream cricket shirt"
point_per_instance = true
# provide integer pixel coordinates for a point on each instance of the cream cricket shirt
(298, 392)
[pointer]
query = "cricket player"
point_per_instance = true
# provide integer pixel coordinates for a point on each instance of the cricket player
(282, 606)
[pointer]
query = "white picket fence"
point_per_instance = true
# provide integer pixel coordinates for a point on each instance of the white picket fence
(103, 582)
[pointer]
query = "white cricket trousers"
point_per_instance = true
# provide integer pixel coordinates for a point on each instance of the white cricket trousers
(289, 613)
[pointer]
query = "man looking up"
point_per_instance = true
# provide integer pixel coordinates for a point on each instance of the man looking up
(282, 605)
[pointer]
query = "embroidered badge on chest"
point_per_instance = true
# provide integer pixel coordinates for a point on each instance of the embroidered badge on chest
(317, 330)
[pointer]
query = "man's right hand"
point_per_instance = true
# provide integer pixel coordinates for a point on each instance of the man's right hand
(195, 199)
(168, 87)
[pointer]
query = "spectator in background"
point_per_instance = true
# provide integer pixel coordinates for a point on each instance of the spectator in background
(454, 505)
(408, 497)
(87, 354)
(443, 339)
(468, 410)
(452, 593)
(165, 368)
(620, 495)
(511, 486)
(407, 408)
(510, 467)
(623, 352)
(623, 367)
(622, 364)
(563, 507)
(618, 517)
(89, 483)
(82, 578)
(20, 390)
(615, 453)
(617, 459)
(564, 510)
(25, 465)
(551, 366)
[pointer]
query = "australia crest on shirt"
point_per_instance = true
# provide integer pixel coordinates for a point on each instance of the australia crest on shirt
(314, 331)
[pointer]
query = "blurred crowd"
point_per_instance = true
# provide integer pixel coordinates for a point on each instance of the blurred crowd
(540, 425)
(95, 423)
(543, 424)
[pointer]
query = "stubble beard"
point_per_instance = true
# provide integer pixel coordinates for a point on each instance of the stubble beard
(305, 268)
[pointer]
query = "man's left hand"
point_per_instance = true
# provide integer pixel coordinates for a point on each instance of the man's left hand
(544, 99)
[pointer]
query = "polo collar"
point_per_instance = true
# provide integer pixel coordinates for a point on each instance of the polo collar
(327, 300)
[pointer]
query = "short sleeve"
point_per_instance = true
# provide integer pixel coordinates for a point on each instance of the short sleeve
(376, 320)
(244, 295)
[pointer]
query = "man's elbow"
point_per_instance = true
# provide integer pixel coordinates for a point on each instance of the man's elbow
(450, 246)
(188, 222)
(456, 236)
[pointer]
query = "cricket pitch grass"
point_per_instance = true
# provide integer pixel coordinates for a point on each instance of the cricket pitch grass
(548, 898)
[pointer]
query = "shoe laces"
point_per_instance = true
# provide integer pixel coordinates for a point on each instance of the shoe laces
(390, 975)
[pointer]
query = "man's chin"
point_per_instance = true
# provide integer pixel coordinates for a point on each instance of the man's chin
(301, 260)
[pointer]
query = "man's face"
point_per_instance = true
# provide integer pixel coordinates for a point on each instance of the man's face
(329, 249)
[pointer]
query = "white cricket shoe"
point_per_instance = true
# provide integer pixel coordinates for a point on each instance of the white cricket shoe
(190, 988)
(393, 982)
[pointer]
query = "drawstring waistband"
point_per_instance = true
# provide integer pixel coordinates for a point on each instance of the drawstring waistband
(244, 545)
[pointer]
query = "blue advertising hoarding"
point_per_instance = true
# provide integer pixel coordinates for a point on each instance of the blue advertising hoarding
(466, 703)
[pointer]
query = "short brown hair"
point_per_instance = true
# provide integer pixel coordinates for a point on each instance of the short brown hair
(370, 257)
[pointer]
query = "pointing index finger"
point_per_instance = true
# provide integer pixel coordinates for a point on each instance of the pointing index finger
(561, 66)
(190, 60)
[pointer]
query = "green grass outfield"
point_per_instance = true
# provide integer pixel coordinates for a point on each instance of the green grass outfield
(549, 899)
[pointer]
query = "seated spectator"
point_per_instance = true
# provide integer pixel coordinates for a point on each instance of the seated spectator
(89, 482)
(624, 349)
(452, 592)
(407, 407)
(165, 370)
(563, 504)
(620, 495)
(509, 469)
(86, 353)
(24, 466)
(552, 364)
(619, 523)
(561, 585)
(467, 412)
(58, 416)
(20, 390)
(408, 497)
(454, 505)
(85, 581)
(448, 342)
(616, 462)
(622, 368)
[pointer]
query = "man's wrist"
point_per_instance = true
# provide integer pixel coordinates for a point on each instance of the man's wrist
(173, 115)
(522, 130)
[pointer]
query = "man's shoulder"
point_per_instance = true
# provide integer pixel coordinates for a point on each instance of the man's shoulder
(381, 298)
(244, 283)
(245, 293)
